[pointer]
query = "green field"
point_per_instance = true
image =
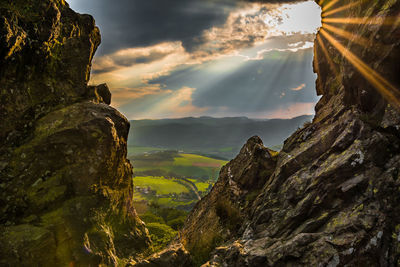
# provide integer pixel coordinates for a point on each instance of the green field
(139, 150)
(197, 160)
(167, 192)
(202, 187)
(173, 179)
(161, 185)
(177, 165)
(167, 185)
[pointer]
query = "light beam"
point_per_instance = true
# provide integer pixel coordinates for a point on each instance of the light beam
(336, 10)
(366, 20)
(388, 91)
(329, 5)
(350, 36)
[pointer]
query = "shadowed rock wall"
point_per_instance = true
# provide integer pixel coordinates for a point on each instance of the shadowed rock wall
(65, 181)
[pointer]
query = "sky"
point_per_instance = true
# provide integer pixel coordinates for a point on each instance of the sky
(220, 58)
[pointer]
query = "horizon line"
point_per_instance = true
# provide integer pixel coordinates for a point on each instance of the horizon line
(224, 117)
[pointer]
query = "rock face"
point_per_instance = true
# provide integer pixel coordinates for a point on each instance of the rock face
(332, 197)
(329, 198)
(220, 215)
(65, 181)
(175, 255)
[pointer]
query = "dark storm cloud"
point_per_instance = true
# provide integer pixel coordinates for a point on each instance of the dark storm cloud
(119, 62)
(128, 57)
(235, 62)
(136, 23)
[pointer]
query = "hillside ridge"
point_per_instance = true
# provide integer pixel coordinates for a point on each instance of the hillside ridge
(209, 135)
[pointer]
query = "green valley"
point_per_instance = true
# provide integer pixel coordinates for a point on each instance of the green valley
(167, 186)
(172, 178)
(177, 161)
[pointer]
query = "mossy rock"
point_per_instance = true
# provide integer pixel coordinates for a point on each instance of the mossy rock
(66, 184)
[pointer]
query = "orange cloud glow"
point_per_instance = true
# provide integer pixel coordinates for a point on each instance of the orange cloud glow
(298, 88)
(121, 96)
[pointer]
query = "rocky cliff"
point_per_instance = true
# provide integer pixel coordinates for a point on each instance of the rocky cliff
(331, 196)
(64, 177)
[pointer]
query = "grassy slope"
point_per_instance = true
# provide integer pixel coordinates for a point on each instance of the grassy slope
(182, 166)
(162, 185)
(176, 180)
(139, 150)
(159, 208)
(197, 160)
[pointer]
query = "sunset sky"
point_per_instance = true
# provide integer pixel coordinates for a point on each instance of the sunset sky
(220, 58)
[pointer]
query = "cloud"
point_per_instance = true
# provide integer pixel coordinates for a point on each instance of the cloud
(181, 103)
(293, 43)
(245, 33)
(144, 23)
(171, 104)
(132, 56)
(300, 87)
(231, 85)
(257, 24)
(246, 86)
(242, 58)
(234, 23)
(121, 96)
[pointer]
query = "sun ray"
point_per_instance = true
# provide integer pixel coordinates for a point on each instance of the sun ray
(390, 92)
(350, 36)
(328, 58)
(366, 20)
(329, 5)
(336, 10)
(321, 2)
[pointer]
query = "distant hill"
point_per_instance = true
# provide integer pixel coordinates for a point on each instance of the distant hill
(221, 137)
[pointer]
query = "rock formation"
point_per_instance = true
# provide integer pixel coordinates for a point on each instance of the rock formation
(65, 181)
(220, 214)
(331, 196)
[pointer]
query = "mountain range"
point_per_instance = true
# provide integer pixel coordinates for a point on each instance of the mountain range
(216, 136)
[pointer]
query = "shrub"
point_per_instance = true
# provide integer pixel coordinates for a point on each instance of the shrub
(177, 223)
(161, 235)
(149, 217)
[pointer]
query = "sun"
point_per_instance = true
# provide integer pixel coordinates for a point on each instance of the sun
(304, 17)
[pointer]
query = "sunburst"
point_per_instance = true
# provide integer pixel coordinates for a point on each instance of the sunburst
(329, 5)
(339, 9)
(328, 31)
(389, 91)
(355, 38)
(387, 21)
